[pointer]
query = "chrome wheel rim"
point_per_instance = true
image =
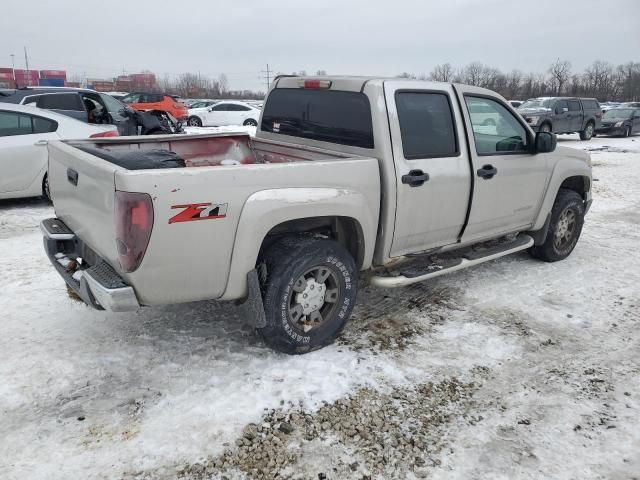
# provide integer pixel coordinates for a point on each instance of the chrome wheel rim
(313, 298)
(194, 122)
(565, 229)
(589, 130)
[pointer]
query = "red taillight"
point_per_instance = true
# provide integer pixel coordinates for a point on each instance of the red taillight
(315, 83)
(110, 133)
(133, 222)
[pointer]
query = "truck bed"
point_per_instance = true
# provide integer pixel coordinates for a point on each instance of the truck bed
(190, 260)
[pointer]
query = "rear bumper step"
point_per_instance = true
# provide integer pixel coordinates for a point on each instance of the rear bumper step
(99, 286)
(468, 259)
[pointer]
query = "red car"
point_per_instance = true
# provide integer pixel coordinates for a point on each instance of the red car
(157, 101)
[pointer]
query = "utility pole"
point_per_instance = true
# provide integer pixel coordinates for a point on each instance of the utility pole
(13, 61)
(267, 74)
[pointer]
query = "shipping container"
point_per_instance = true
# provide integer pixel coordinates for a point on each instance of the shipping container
(72, 84)
(6, 70)
(6, 76)
(51, 82)
(26, 78)
(53, 74)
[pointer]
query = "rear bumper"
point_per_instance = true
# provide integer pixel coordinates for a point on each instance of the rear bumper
(98, 285)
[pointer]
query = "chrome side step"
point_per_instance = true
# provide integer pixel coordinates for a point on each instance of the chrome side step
(466, 260)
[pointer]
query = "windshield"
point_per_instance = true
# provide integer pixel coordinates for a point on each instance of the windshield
(325, 115)
(537, 103)
(618, 113)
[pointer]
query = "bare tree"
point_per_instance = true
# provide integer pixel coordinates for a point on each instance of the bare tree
(472, 73)
(442, 73)
(560, 72)
(223, 84)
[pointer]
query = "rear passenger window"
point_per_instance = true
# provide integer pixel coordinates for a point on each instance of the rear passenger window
(12, 124)
(426, 125)
(61, 101)
(574, 106)
(503, 134)
(590, 105)
(44, 125)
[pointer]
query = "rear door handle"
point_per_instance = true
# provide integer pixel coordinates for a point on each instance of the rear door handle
(487, 172)
(415, 178)
(41, 143)
(72, 176)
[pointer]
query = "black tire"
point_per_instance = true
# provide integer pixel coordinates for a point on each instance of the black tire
(194, 121)
(291, 268)
(46, 194)
(546, 127)
(250, 122)
(587, 133)
(563, 232)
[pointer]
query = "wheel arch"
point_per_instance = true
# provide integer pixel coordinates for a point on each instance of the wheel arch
(342, 215)
(577, 181)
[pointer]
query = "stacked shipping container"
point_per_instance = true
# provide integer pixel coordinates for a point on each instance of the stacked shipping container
(26, 78)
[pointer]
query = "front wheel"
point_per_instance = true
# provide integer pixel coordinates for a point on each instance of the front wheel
(567, 218)
(546, 127)
(627, 132)
(309, 288)
(587, 133)
(250, 122)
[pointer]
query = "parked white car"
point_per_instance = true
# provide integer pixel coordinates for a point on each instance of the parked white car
(226, 112)
(24, 133)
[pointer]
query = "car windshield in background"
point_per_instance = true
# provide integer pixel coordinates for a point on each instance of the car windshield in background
(618, 113)
(324, 115)
(536, 103)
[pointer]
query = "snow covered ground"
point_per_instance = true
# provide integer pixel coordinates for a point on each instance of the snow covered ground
(514, 369)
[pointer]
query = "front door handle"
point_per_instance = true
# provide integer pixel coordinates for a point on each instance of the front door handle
(487, 172)
(41, 143)
(415, 178)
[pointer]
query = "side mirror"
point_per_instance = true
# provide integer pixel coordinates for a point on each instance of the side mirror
(545, 142)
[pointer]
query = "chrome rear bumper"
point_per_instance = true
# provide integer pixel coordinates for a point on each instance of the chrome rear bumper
(98, 285)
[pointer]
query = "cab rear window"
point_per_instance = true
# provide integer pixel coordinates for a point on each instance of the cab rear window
(325, 115)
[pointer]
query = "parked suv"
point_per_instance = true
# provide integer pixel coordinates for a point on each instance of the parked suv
(563, 115)
(83, 104)
(157, 101)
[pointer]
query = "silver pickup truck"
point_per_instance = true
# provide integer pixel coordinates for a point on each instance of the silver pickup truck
(345, 175)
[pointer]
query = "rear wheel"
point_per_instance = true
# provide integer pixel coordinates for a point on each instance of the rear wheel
(46, 194)
(587, 133)
(250, 122)
(194, 122)
(567, 218)
(309, 288)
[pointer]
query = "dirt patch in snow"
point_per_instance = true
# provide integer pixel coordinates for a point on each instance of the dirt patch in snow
(386, 320)
(367, 434)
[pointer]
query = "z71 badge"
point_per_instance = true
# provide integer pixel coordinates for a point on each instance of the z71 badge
(199, 211)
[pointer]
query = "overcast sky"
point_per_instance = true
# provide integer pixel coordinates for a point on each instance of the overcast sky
(364, 37)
